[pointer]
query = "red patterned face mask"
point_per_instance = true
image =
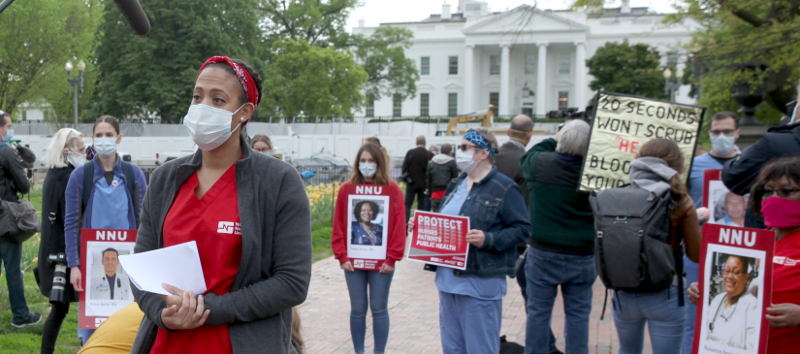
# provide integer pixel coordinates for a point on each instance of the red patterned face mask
(780, 212)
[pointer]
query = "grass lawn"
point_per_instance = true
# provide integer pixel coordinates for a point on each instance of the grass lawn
(28, 339)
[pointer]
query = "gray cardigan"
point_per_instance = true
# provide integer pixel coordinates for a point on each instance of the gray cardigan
(276, 252)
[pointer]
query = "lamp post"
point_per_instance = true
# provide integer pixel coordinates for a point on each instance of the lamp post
(77, 84)
(672, 82)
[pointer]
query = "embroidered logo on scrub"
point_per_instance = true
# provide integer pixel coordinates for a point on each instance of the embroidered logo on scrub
(229, 227)
(785, 261)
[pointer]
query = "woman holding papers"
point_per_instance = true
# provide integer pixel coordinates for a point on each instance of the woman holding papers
(470, 301)
(248, 214)
(104, 193)
(357, 233)
(776, 195)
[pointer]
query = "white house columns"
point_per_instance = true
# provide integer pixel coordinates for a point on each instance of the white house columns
(580, 76)
(505, 80)
(469, 78)
(541, 81)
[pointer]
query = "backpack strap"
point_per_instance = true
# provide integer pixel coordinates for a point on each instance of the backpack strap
(88, 184)
(130, 185)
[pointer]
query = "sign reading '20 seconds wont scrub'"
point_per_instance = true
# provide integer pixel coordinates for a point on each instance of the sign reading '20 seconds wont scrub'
(622, 124)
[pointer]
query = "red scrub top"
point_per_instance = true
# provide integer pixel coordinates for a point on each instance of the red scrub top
(212, 221)
(786, 288)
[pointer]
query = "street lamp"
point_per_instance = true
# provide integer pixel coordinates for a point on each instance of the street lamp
(672, 82)
(77, 84)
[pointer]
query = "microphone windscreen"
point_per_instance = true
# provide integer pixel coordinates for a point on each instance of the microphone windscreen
(133, 12)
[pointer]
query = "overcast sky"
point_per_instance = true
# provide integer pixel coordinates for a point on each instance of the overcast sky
(375, 12)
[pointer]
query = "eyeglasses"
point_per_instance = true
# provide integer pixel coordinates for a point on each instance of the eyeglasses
(780, 192)
(722, 131)
(464, 147)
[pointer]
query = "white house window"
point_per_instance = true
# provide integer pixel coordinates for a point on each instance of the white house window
(452, 65)
(494, 100)
(424, 104)
(563, 100)
(397, 105)
(425, 66)
(494, 65)
(370, 110)
(452, 104)
(530, 64)
(563, 65)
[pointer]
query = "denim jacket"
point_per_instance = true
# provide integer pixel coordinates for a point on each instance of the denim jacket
(495, 206)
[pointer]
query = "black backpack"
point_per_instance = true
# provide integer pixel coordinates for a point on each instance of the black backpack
(633, 249)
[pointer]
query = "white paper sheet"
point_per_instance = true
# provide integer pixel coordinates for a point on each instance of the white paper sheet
(177, 265)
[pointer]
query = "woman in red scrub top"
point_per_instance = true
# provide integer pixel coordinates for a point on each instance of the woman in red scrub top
(248, 214)
(368, 238)
(776, 195)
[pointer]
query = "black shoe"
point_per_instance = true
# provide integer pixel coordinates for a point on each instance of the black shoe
(556, 352)
(33, 318)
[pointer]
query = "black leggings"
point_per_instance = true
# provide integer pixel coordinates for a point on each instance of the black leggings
(53, 325)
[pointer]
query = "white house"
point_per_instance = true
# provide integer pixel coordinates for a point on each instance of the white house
(524, 60)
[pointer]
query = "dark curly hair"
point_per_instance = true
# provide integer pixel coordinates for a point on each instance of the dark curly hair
(359, 205)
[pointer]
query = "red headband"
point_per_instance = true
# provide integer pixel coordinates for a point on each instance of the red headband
(248, 84)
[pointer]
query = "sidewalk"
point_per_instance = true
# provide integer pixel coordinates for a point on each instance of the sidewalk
(414, 311)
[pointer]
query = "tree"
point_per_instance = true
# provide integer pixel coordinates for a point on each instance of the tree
(626, 68)
(38, 38)
(317, 81)
(318, 23)
(383, 57)
(153, 75)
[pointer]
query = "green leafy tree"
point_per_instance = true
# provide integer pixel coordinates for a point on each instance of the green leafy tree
(383, 57)
(153, 75)
(626, 68)
(320, 23)
(38, 37)
(317, 81)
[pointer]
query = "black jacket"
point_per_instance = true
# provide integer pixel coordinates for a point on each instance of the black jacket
(441, 170)
(507, 163)
(12, 176)
(52, 234)
(739, 174)
(415, 165)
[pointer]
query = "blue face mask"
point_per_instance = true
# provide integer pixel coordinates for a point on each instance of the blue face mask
(9, 135)
(105, 146)
(723, 144)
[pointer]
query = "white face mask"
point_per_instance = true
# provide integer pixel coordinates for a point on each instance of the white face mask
(209, 127)
(105, 146)
(368, 169)
(76, 159)
(723, 144)
(464, 160)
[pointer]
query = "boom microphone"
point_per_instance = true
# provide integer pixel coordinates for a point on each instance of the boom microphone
(133, 12)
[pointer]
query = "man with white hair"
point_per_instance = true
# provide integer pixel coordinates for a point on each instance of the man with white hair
(561, 252)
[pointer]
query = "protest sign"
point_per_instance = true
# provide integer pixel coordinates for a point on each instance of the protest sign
(367, 230)
(439, 239)
(735, 288)
(106, 287)
(724, 206)
(622, 124)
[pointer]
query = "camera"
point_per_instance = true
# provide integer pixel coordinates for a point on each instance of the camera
(59, 260)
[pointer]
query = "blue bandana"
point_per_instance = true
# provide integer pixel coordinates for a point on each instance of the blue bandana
(479, 141)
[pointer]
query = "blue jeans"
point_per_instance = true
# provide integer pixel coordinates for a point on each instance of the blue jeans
(10, 255)
(546, 271)
(357, 283)
(469, 325)
(661, 313)
(692, 270)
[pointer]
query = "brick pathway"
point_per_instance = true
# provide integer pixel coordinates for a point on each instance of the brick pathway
(413, 310)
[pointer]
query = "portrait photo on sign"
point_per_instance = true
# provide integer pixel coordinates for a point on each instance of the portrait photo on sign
(725, 207)
(367, 227)
(732, 297)
(107, 285)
